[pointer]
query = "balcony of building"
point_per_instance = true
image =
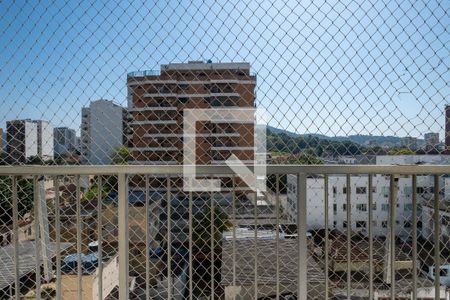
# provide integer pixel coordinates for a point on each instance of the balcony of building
(134, 232)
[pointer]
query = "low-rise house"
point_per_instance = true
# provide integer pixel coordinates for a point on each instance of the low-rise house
(258, 263)
(27, 265)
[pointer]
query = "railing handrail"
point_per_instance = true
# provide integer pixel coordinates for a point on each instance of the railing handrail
(225, 169)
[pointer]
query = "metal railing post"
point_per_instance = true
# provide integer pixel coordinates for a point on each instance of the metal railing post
(437, 240)
(123, 237)
(147, 239)
(58, 239)
(370, 221)
(100, 237)
(191, 242)
(37, 237)
(302, 241)
(169, 240)
(414, 236)
(277, 250)
(349, 235)
(325, 179)
(79, 231)
(16, 237)
(391, 235)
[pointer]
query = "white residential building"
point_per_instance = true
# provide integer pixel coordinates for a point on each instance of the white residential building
(428, 220)
(65, 140)
(45, 139)
(359, 191)
(101, 131)
(28, 138)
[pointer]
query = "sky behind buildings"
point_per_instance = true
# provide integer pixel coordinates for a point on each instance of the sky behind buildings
(335, 67)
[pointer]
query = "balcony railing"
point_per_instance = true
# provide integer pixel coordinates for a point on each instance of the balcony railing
(143, 73)
(106, 230)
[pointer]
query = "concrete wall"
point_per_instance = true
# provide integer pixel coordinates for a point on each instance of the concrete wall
(45, 139)
(69, 287)
(31, 139)
(104, 133)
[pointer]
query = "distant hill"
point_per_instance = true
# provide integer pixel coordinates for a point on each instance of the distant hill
(358, 138)
(279, 131)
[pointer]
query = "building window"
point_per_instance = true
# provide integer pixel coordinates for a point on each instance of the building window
(420, 190)
(445, 220)
(360, 224)
(334, 223)
(334, 208)
(385, 207)
(407, 224)
(374, 189)
(344, 190)
(407, 190)
(361, 190)
(344, 224)
(344, 207)
(361, 207)
(374, 206)
(334, 190)
(408, 207)
(384, 224)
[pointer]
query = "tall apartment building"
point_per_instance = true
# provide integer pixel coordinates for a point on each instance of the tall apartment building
(45, 143)
(156, 102)
(102, 128)
(431, 138)
(65, 140)
(28, 138)
(409, 142)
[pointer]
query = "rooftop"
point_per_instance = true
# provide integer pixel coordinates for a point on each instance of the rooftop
(200, 65)
(266, 265)
(27, 260)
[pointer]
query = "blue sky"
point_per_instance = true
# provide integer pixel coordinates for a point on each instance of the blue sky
(335, 67)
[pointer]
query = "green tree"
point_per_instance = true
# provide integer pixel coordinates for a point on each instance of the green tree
(35, 160)
(401, 151)
(122, 156)
(299, 159)
(92, 193)
(24, 196)
(201, 228)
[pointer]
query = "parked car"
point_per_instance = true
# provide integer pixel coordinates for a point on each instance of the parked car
(444, 274)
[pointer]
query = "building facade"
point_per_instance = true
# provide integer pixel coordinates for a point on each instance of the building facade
(45, 145)
(431, 139)
(359, 191)
(28, 138)
(21, 140)
(156, 102)
(409, 142)
(65, 140)
(102, 131)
